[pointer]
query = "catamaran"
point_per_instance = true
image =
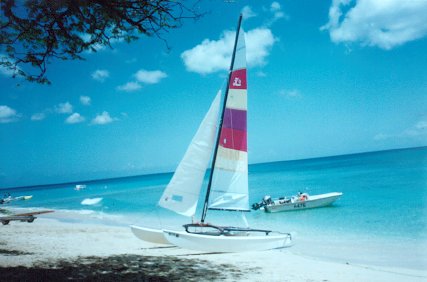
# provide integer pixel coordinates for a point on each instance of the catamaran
(227, 188)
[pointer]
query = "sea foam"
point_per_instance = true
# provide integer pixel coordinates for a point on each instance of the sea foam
(91, 201)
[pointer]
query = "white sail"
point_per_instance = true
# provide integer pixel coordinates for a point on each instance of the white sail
(229, 190)
(182, 193)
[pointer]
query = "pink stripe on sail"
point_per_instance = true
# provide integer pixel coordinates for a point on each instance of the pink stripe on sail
(235, 119)
(233, 139)
(238, 79)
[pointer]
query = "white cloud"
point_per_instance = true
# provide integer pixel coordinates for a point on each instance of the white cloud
(38, 116)
(144, 76)
(131, 61)
(259, 43)
(211, 56)
(261, 74)
(100, 75)
(85, 100)
(96, 47)
(419, 129)
(276, 9)
(75, 118)
(150, 77)
(382, 23)
(5, 70)
(415, 131)
(381, 136)
(291, 93)
(103, 118)
(64, 108)
(421, 125)
(8, 114)
(275, 6)
(247, 12)
(129, 87)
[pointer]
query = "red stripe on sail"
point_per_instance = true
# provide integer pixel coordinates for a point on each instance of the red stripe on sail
(235, 119)
(233, 139)
(238, 79)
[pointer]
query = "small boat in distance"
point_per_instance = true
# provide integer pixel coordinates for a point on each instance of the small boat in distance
(79, 187)
(23, 198)
(297, 202)
(8, 198)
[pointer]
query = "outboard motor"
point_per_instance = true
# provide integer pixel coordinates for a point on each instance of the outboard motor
(265, 201)
(257, 206)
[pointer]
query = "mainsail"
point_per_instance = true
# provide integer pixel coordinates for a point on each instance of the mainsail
(228, 183)
(229, 188)
(182, 193)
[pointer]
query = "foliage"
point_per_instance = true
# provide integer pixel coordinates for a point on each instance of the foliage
(32, 32)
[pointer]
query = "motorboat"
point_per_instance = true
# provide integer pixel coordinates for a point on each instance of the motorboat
(297, 202)
(80, 187)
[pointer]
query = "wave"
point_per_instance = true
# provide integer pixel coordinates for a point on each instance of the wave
(91, 201)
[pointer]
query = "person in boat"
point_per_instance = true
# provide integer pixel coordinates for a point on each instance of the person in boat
(302, 196)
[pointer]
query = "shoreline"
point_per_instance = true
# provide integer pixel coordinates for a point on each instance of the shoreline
(85, 249)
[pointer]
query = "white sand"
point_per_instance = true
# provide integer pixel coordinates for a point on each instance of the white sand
(50, 240)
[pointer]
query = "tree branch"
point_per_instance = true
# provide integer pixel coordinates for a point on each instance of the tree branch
(35, 31)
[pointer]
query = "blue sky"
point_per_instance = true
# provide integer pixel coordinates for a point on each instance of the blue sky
(324, 78)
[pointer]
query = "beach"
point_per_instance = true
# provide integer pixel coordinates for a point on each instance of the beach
(375, 232)
(51, 249)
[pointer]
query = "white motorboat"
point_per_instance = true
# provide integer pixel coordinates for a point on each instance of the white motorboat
(297, 202)
(7, 199)
(80, 187)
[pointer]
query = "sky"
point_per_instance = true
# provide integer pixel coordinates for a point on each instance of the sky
(324, 78)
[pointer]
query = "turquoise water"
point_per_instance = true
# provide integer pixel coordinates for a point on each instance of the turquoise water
(384, 199)
(384, 192)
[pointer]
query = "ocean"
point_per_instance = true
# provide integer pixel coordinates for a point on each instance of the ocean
(381, 217)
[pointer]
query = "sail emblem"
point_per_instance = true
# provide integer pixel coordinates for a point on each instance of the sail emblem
(237, 82)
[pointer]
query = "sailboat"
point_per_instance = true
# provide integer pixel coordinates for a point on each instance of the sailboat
(222, 138)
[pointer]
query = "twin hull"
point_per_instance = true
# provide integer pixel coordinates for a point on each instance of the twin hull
(149, 234)
(208, 243)
(227, 244)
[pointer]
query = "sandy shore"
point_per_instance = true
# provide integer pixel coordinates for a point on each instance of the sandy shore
(48, 249)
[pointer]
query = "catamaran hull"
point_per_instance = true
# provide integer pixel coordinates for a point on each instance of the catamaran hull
(316, 201)
(149, 234)
(226, 244)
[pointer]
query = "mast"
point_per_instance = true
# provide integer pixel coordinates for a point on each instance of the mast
(205, 206)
